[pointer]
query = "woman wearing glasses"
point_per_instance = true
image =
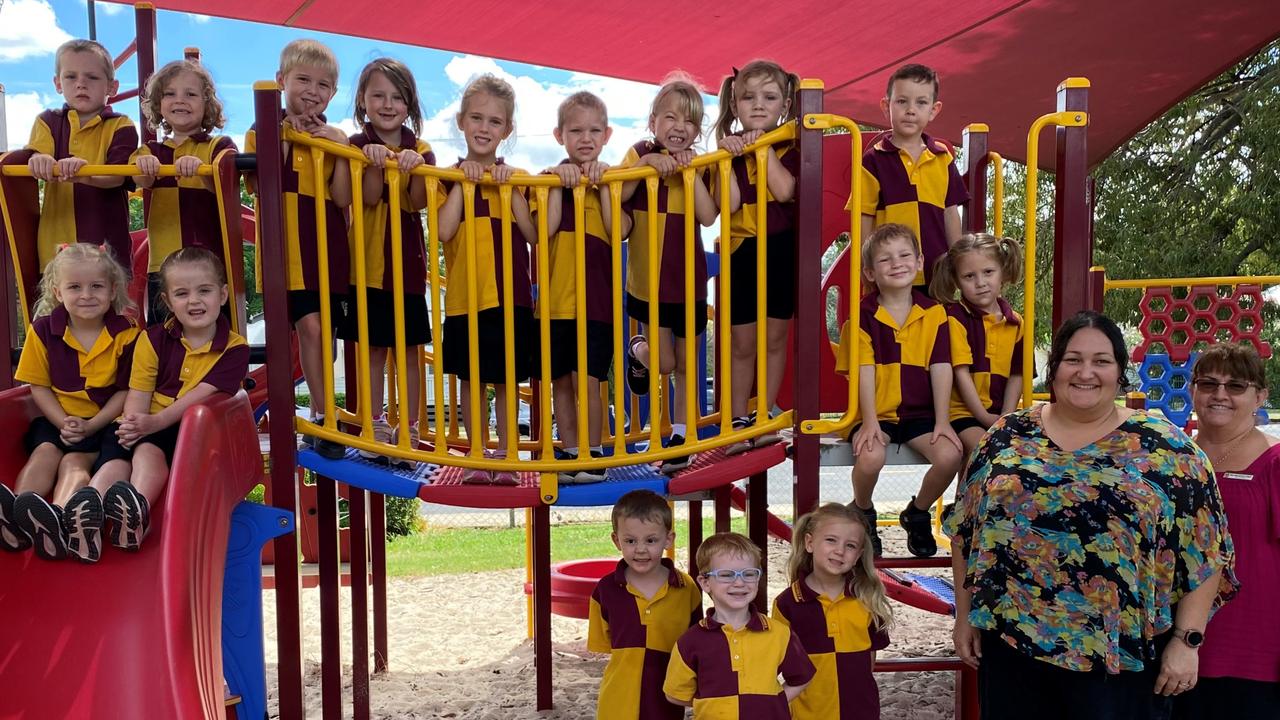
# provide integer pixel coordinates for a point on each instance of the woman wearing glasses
(1240, 660)
(1088, 547)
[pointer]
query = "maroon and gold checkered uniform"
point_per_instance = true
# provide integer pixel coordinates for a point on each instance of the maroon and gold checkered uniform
(917, 193)
(733, 674)
(901, 355)
(76, 211)
(168, 368)
(377, 229)
(668, 215)
(992, 349)
(562, 297)
(301, 189)
(183, 212)
(82, 379)
(638, 633)
(841, 639)
(779, 217)
(488, 243)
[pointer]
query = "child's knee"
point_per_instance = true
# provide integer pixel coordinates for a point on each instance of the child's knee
(744, 349)
(871, 459)
(308, 328)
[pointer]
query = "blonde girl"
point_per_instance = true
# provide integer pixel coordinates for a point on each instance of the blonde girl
(486, 119)
(834, 585)
(181, 103)
(754, 100)
(986, 334)
(388, 111)
(76, 359)
(676, 123)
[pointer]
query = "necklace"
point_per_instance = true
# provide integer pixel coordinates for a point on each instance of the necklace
(1221, 453)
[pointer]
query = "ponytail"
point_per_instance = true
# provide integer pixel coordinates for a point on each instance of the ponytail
(724, 121)
(788, 83)
(1007, 251)
(944, 285)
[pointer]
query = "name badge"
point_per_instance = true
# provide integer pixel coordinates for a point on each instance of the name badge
(1236, 476)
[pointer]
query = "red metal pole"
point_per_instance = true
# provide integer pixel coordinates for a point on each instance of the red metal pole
(280, 401)
(542, 603)
(378, 553)
(811, 319)
(330, 586)
(758, 531)
(721, 495)
(145, 22)
(1097, 287)
(1072, 249)
(975, 177)
(695, 535)
(359, 604)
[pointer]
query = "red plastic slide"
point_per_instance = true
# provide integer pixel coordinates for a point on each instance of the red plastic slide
(137, 635)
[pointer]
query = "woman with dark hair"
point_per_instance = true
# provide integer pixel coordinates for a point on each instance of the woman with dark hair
(1087, 541)
(1240, 660)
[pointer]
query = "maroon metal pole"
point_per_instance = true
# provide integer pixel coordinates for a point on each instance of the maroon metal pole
(144, 15)
(280, 401)
(975, 177)
(695, 535)
(721, 495)
(1072, 250)
(330, 586)
(378, 555)
(810, 322)
(542, 603)
(1097, 287)
(758, 531)
(359, 604)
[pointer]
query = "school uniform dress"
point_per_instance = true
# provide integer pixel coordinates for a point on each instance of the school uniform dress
(638, 633)
(841, 639)
(82, 379)
(182, 212)
(597, 288)
(302, 190)
(75, 211)
(901, 356)
(733, 674)
(896, 189)
(487, 238)
(780, 251)
(166, 366)
(380, 283)
(991, 347)
(667, 215)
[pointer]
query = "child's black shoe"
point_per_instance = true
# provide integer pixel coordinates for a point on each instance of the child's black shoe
(42, 523)
(919, 526)
(674, 465)
(874, 535)
(82, 521)
(12, 537)
(637, 373)
(129, 514)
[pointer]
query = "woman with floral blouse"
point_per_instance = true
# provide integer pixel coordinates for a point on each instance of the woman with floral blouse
(1089, 548)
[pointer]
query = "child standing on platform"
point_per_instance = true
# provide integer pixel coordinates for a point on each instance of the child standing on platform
(676, 123)
(903, 356)
(183, 212)
(986, 334)
(190, 357)
(85, 131)
(728, 664)
(583, 129)
(308, 77)
(758, 98)
(387, 98)
(836, 604)
(638, 611)
(908, 176)
(486, 118)
(76, 359)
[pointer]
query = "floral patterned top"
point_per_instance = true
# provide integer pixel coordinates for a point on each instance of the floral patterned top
(1077, 557)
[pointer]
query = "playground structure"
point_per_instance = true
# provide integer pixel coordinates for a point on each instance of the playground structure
(633, 438)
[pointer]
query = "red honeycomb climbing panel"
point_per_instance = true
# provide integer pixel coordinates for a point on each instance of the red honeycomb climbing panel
(1203, 316)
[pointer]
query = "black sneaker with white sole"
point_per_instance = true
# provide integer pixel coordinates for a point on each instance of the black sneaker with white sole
(585, 477)
(82, 520)
(129, 515)
(42, 523)
(12, 537)
(919, 526)
(676, 464)
(870, 515)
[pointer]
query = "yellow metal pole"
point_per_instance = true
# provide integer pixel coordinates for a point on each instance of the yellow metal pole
(724, 327)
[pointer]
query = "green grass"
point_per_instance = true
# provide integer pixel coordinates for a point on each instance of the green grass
(443, 551)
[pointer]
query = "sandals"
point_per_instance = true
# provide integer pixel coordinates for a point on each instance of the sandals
(637, 373)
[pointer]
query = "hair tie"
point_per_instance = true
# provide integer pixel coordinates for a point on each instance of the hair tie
(63, 246)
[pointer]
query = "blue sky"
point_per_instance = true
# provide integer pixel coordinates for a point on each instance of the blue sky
(238, 54)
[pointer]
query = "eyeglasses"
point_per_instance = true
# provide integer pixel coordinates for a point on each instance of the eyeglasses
(749, 575)
(1234, 387)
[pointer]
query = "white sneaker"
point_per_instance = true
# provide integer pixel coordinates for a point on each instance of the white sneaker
(415, 439)
(381, 434)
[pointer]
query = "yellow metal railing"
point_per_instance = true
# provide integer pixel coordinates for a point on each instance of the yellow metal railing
(997, 194)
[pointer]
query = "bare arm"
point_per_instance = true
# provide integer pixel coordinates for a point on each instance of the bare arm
(704, 208)
(606, 213)
(109, 412)
(868, 224)
(782, 184)
(791, 691)
(968, 643)
(869, 432)
(940, 376)
(1012, 394)
(951, 222)
(372, 185)
(48, 404)
(968, 392)
(449, 218)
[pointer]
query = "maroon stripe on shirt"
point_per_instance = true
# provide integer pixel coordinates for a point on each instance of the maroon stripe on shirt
(199, 219)
(229, 371)
(779, 216)
(170, 355)
(706, 652)
(859, 695)
(653, 701)
(598, 264)
(618, 608)
(917, 393)
(64, 361)
(764, 707)
(808, 622)
(975, 331)
(884, 344)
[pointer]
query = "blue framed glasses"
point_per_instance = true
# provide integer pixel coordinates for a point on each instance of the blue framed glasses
(748, 575)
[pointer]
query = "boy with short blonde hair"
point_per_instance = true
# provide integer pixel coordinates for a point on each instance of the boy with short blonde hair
(639, 610)
(84, 131)
(729, 663)
(308, 79)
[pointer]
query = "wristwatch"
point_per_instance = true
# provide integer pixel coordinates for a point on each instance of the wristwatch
(1191, 638)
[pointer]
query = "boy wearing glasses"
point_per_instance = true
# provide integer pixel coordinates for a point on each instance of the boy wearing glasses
(728, 665)
(639, 610)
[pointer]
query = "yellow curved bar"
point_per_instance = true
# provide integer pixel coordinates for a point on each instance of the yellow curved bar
(477, 425)
(653, 336)
(1066, 118)
(393, 181)
(219, 197)
(997, 201)
(322, 272)
(580, 315)
(619, 331)
(107, 171)
(691, 239)
(434, 287)
(364, 391)
(841, 426)
(1192, 282)
(762, 279)
(508, 327)
(24, 304)
(724, 365)
(544, 323)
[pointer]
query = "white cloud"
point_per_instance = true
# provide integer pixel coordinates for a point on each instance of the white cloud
(110, 8)
(29, 28)
(21, 110)
(199, 19)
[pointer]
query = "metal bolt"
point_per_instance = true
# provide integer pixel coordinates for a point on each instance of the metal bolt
(1079, 118)
(284, 522)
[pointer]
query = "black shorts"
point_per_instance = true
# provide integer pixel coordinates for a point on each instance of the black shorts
(564, 349)
(382, 319)
(670, 315)
(959, 425)
(305, 302)
(902, 431)
(492, 345)
(781, 258)
(102, 443)
(166, 440)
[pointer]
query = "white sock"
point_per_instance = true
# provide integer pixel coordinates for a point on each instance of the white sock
(677, 429)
